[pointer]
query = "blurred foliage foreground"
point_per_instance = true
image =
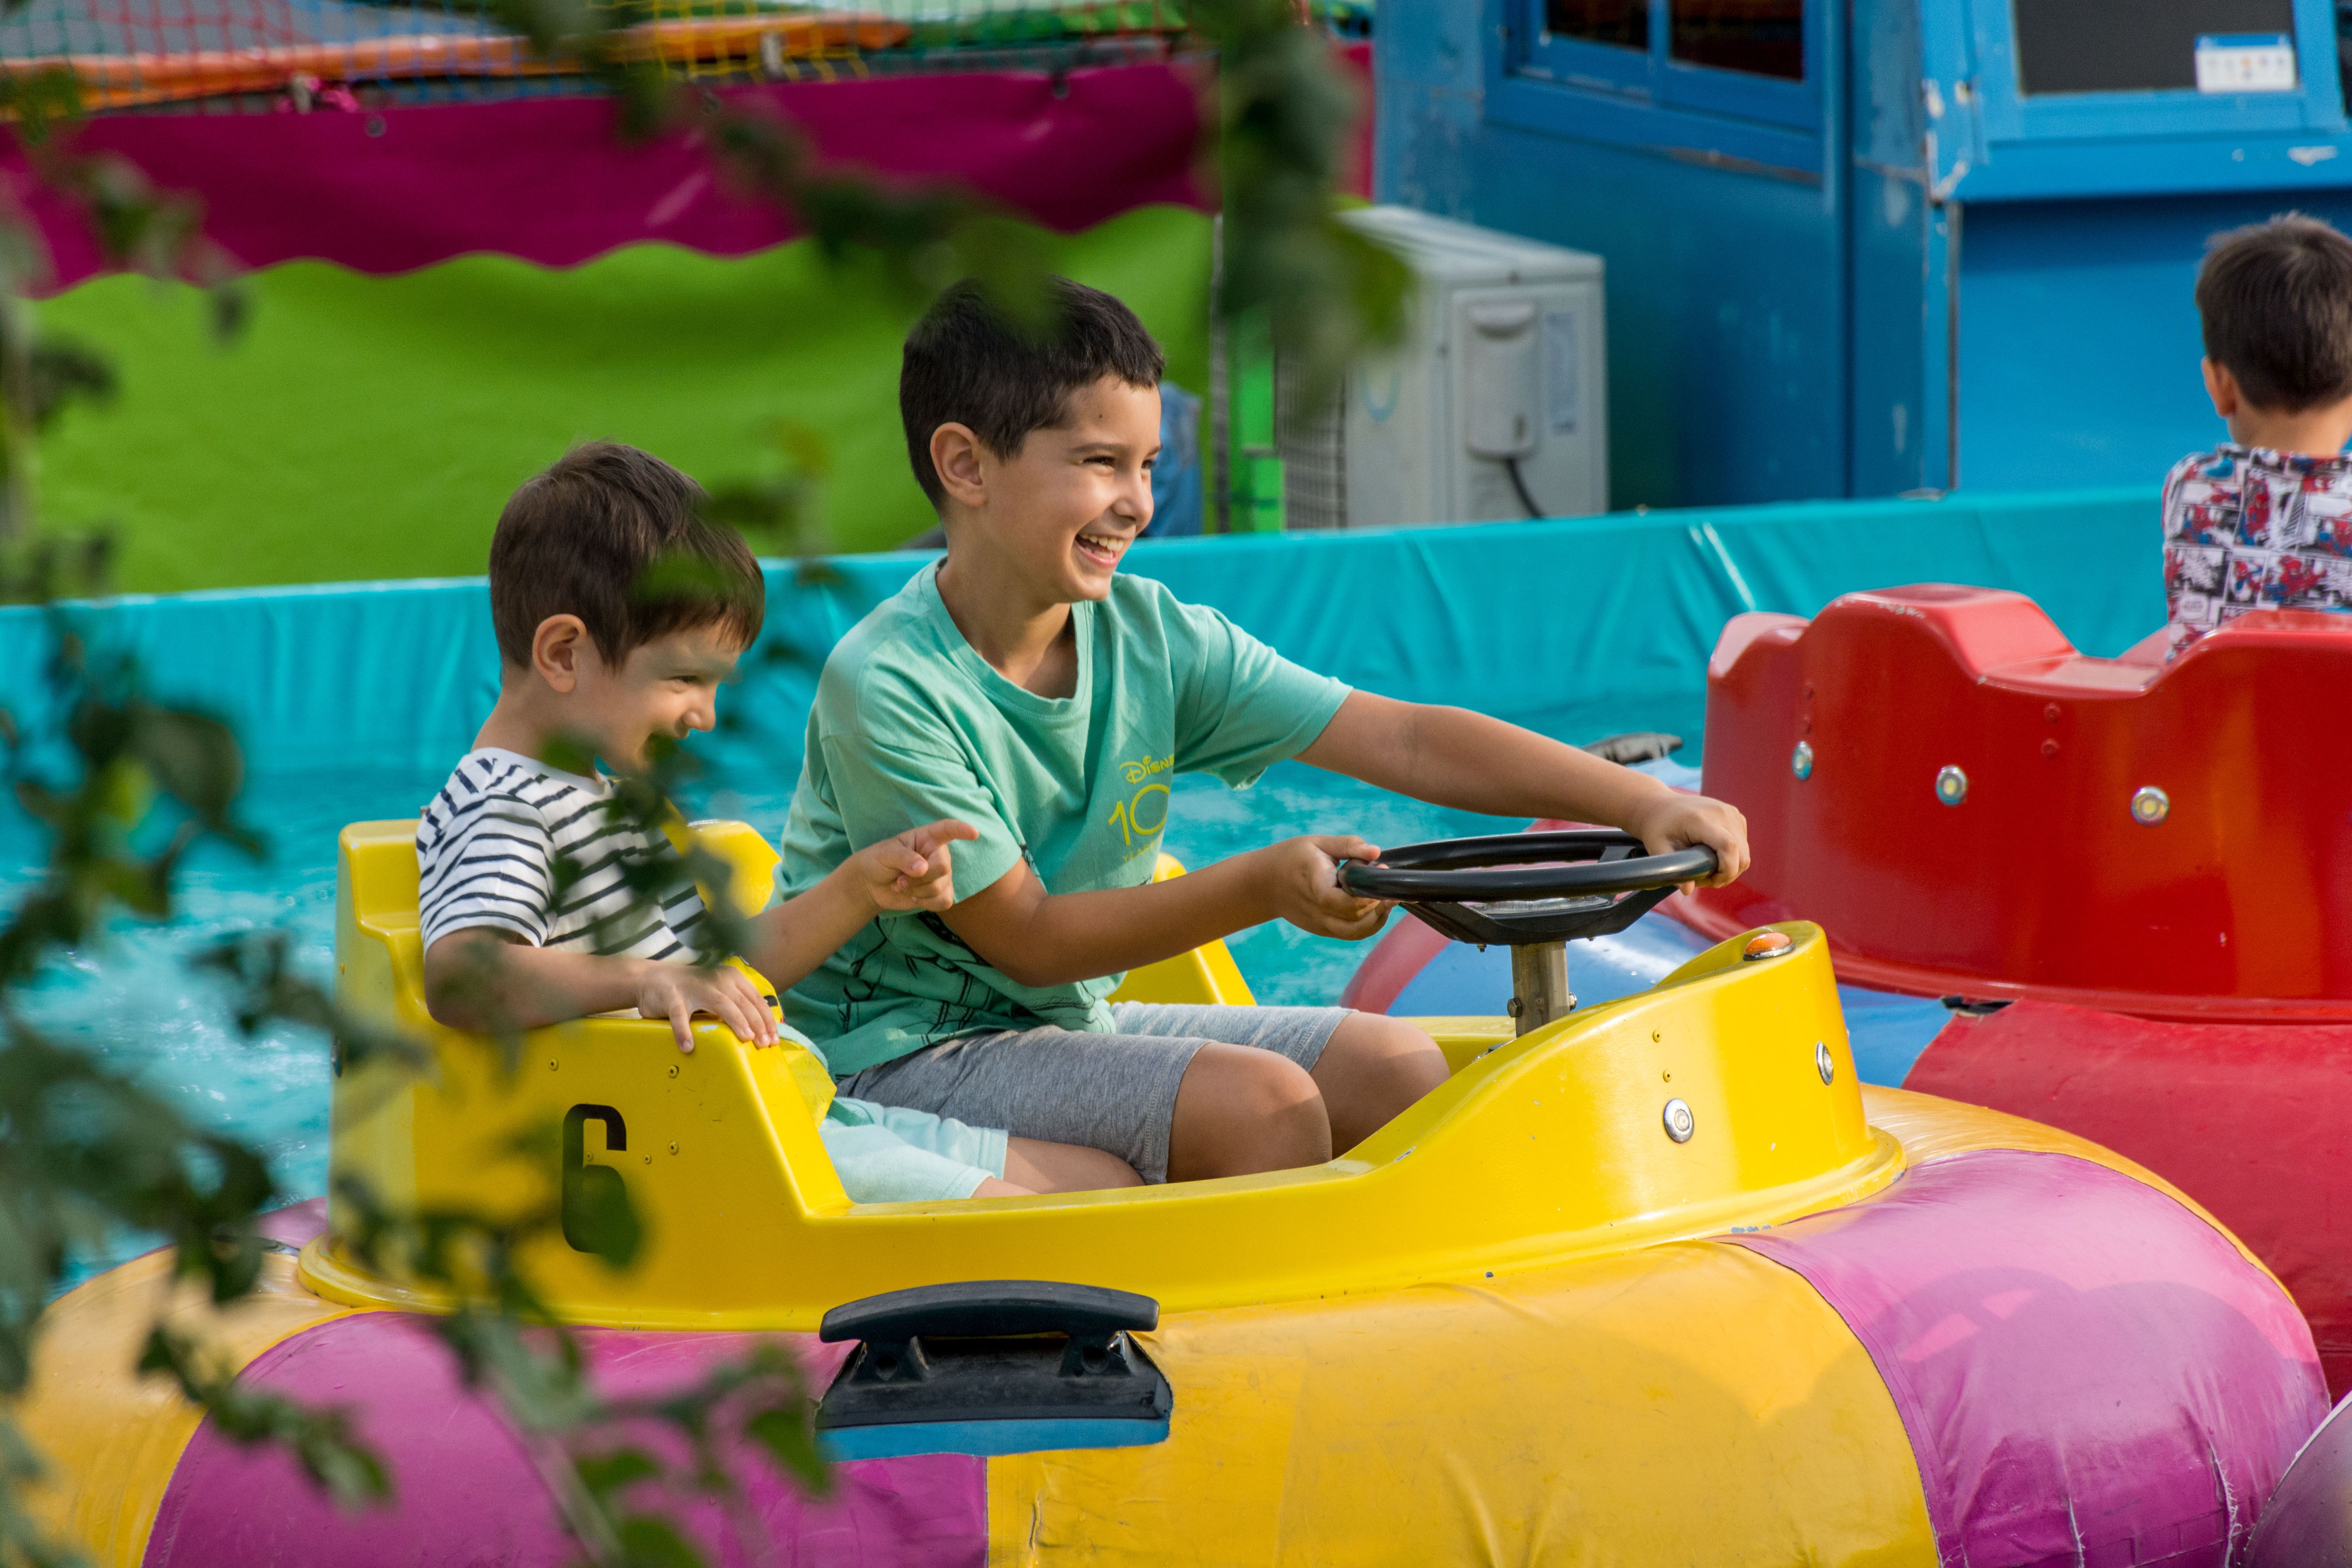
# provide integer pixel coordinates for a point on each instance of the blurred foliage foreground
(126, 786)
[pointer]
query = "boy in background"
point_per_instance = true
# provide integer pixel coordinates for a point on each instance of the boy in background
(2264, 520)
(1025, 686)
(524, 880)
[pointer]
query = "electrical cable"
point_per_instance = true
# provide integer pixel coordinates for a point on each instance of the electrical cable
(1511, 466)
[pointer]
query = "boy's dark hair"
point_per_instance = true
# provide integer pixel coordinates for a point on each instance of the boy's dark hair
(616, 536)
(966, 364)
(2277, 303)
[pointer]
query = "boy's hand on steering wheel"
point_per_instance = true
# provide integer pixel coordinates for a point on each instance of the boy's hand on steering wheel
(1301, 881)
(1672, 820)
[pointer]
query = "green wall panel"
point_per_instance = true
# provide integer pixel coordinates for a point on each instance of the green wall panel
(365, 426)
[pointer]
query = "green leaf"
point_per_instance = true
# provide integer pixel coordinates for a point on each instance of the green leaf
(65, 373)
(789, 1435)
(598, 1217)
(648, 1541)
(194, 757)
(606, 1474)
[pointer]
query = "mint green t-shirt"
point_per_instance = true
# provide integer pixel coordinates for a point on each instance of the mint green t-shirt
(910, 725)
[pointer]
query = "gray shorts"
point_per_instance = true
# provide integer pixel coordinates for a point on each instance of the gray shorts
(1114, 1092)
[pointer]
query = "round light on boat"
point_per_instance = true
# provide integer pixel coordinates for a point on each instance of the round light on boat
(1951, 786)
(1680, 1123)
(1765, 944)
(1801, 761)
(2150, 805)
(1824, 1063)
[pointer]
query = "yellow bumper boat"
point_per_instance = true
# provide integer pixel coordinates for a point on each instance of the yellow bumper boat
(1653, 1282)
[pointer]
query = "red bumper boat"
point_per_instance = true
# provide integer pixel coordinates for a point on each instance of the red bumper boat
(2151, 860)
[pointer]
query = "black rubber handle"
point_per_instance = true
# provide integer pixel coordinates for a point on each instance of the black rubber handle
(1599, 860)
(984, 1308)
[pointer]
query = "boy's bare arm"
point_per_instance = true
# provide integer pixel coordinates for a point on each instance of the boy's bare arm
(911, 871)
(492, 981)
(1038, 938)
(1451, 756)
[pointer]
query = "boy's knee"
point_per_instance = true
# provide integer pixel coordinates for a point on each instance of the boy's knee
(1097, 1171)
(1241, 1110)
(1395, 1053)
(1372, 1069)
(1265, 1083)
(1277, 1098)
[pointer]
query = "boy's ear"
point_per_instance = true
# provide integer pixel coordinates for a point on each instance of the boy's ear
(955, 454)
(556, 649)
(2222, 386)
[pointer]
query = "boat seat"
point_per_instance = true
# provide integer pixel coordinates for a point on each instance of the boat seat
(1970, 804)
(380, 871)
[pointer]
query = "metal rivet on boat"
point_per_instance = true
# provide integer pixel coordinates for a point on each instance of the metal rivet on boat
(1801, 761)
(1680, 1123)
(673, 1069)
(2048, 748)
(2051, 713)
(550, 1066)
(1824, 1063)
(1951, 786)
(2150, 805)
(673, 1148)
(1765, 944)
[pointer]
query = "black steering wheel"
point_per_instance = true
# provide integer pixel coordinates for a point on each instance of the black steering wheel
(1516, 889)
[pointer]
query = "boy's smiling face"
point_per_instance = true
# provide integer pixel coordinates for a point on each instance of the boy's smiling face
(667, 688)
(1060, 514)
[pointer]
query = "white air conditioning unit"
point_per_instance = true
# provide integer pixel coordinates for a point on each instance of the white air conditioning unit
(1495, 406)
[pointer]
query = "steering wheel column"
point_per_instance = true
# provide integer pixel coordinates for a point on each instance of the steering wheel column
(1532, 892)
(1540, 991)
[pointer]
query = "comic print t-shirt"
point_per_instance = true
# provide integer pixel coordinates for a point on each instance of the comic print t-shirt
(911, 725)
(2248, 529)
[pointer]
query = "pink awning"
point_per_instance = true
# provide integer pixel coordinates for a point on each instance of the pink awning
(548, 180)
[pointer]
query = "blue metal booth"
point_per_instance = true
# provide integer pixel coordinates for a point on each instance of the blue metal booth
(1871, 247)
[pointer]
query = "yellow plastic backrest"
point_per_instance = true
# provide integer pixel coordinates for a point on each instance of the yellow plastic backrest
(1206, 977)
(434, 1139)
(750, 857)
(1546, 1147)
(754, 862)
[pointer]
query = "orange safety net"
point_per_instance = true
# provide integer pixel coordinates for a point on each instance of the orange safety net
(129, 54)
(721, 45)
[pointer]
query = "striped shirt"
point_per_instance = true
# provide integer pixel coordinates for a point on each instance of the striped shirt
(488, 848)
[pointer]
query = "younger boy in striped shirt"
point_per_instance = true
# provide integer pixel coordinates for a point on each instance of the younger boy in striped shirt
(619, 611)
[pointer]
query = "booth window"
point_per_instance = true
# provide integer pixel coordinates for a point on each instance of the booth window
(1763, 38)
(2148, 46)
(2343, 48)
(1624, 23)
(1730, 77)
(1756, 37)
